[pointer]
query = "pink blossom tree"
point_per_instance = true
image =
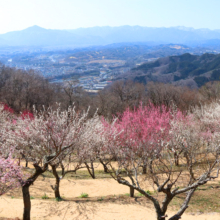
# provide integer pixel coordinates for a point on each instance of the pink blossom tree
(10, 173)
(137, 138)
(146, 136)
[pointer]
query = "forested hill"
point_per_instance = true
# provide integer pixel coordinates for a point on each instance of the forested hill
(188, 70)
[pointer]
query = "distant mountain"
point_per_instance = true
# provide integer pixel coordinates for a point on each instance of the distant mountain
(177, 35)
(189, 70)
(37, 36)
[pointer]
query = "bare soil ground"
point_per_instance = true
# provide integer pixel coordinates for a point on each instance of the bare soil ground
(107, 200)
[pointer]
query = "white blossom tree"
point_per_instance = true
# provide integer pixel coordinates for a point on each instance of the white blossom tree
(92, 142)
(44, 139)
(84, 153)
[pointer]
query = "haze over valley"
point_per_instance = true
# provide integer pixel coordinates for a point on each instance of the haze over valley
(97, 56)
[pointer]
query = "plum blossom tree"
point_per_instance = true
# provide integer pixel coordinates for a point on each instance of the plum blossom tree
(69, 162)
(45, 138)
(85, 152)
(173, 145)
(92, 142)
(145, 136)
(137, 138)
(10, 173)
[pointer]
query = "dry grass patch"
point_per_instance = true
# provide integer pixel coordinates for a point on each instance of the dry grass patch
(206, 199)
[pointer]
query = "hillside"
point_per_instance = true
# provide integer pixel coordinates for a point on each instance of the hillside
(132, 51)
(190, 70)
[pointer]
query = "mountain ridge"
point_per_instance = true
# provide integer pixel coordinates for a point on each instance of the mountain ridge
(38, 36)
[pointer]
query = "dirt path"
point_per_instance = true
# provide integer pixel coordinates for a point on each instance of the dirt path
(11, 205)
(51, 210)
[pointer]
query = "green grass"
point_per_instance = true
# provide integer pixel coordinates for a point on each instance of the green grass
(147, 191)
(45, 196)
(127, 194)
(205, 199)
(80, 174)
(58, 199)
(84, 195)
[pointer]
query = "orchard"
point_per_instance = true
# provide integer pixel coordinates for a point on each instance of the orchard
(174, 151)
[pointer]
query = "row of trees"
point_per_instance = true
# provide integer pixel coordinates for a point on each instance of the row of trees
(175, 152)
(21, 90)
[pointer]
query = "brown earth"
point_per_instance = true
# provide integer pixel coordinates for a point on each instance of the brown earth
(107, 200)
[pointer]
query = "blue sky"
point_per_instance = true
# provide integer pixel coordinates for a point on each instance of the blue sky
(71, 14)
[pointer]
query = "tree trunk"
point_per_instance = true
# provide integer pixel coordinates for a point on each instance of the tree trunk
(144, 171)
(105, 169)
(131, 192)
(56, 188)
(161, 217)
(176, 159)
(114, 158)
(104, 166)
(27, 202)
(151, 166)
(90, 169)
(26, 165)
(26, 193)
